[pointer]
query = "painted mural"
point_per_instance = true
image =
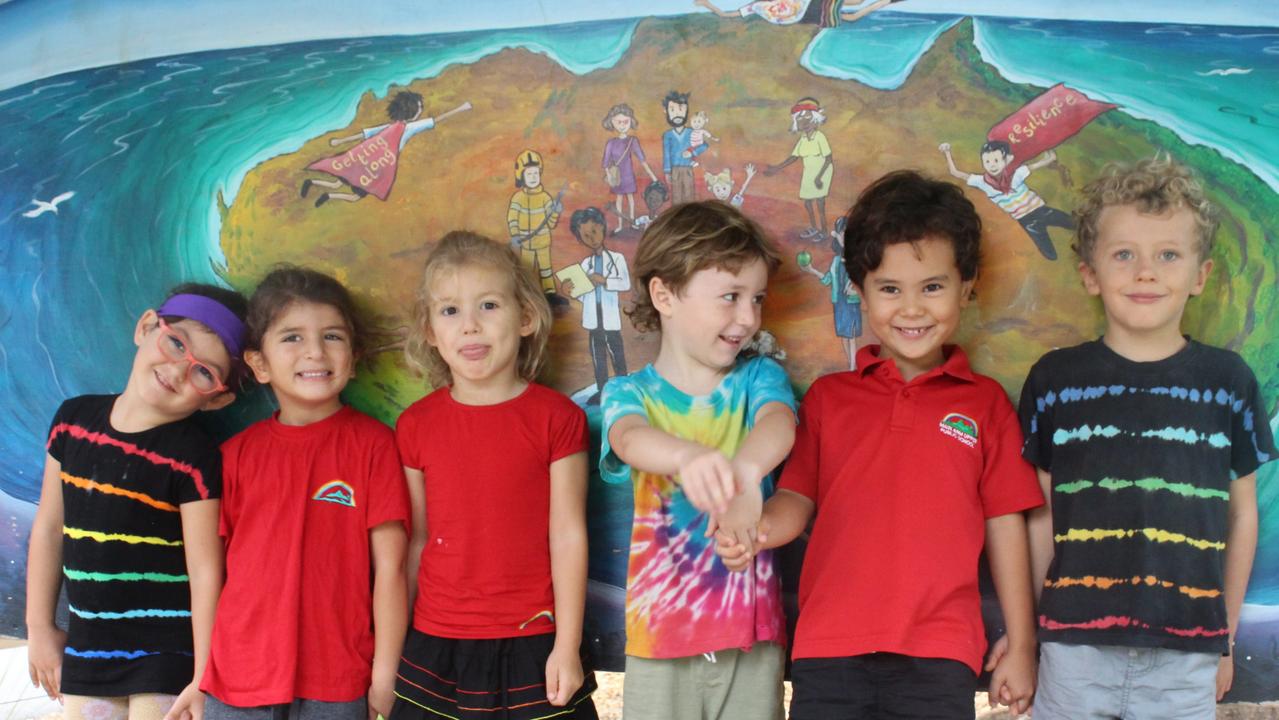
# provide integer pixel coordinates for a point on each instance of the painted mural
(565, 137)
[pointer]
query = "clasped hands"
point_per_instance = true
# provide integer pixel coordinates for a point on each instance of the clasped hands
(730, 493)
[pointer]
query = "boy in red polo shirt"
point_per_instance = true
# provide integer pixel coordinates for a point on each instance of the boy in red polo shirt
(911, 463)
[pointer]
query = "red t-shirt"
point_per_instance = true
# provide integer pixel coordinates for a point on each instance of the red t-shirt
(486, 569)
(295, 619)
(904, 476)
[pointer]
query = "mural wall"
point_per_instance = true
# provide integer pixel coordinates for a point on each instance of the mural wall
(352, 154)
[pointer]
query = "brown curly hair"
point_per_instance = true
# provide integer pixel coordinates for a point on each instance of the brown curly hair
(454, 251)
(692, 237)
(1153, 186)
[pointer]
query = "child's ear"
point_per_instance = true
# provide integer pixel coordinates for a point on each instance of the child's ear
(966, 292)
(528, 321)
(1205, 268)
(219, 401)
(1089, 277)
(257, 363)
(146, 323)
(660, 295)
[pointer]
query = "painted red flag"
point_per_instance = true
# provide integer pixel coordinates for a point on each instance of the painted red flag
(369, 166)
(1045, 122)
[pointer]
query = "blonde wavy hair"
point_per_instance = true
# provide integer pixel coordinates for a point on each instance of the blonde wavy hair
(691, 237)
(1153, 186)
(460, 249)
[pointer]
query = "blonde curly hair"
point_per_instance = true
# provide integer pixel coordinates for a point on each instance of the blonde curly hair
(1153, 186)
(454, 251)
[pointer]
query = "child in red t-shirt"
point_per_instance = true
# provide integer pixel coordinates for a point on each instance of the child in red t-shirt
(314, 508)
(497, 479)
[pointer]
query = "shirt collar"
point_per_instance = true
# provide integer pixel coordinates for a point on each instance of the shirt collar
(956, 364)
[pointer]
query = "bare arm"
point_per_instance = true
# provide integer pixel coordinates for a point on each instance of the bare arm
(568, 575)
(204, 557)
(44, 579)
(387, 543)
(346, 139)
(707, 4)
(704, 473)
(417, 541)
(774, 169)
(766, 445)
(950, 163)
(1241, 547)
(1044, 160)
(1039, 527)
(1013, 681)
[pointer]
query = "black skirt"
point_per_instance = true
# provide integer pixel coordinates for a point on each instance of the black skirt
(501, 679)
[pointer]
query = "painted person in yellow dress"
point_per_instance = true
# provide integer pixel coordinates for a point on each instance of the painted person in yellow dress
(818, 163)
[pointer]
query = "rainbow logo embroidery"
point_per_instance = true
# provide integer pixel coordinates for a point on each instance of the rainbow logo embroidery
(335, 491)
(960, 427)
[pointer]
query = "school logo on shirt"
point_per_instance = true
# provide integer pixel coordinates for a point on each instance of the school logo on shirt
(960, 427)
(337, 492)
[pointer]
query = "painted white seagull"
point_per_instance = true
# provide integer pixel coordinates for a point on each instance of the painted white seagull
(43, 207)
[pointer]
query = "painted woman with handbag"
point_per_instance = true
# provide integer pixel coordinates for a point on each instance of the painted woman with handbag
(619, 172)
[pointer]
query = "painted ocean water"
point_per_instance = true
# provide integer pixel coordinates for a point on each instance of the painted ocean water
(148, 147)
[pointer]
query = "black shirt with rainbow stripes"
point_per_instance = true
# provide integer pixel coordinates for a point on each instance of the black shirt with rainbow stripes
(122, 552)
(1142, 456)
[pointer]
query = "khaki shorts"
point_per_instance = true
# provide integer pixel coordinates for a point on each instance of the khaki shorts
(736, 685)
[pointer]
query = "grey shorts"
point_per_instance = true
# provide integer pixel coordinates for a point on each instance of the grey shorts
(1077, 682)
(299, 709)
(735, 684)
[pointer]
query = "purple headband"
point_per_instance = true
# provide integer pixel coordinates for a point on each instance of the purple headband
(213, 315)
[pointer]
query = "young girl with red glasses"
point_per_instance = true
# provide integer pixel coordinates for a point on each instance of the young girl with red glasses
(314, 510)
(128, 520)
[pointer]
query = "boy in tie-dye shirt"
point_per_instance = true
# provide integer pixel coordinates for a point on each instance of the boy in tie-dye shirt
(1147, 444)
(698, 432)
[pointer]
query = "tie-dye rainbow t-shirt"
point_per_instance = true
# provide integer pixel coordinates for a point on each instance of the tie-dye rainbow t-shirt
(680, 599)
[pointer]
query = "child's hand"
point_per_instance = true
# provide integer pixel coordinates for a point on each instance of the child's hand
(563, 675)
(997, 652)
(742, 517)
(750, 170)
(189, 705)
(44, 659)
(707, 478)
(381, 695)
(1225, 676)
(687, 153)
(735, 555)
(1013, 681)
(945, 148)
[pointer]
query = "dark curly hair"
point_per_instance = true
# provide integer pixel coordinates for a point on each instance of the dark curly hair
(906, 207)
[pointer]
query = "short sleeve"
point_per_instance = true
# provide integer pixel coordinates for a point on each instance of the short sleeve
(975, 181)
(621, 397)
(1020, 175)
(388, 492)
(803, 467)
(568, 429)
(204, 481)
(1035, 414)
(1251, 442)
(768, 383)
(370, 132)
(823, 144)
(406, 437)
(57, 438)
(1008, 483)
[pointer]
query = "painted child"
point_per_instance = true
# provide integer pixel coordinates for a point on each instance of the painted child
(1147, 444)
(313, 613)
(128, 520)
(497, 477)
(697, 433)
(699, 136)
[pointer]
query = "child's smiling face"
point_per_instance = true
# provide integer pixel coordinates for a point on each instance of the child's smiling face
(913, 302)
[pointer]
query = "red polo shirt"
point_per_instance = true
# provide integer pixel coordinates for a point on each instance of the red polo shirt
(904, 476)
